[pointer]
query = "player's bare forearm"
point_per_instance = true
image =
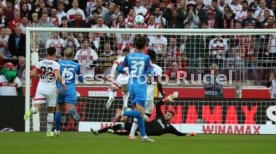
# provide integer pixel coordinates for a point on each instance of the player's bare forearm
(34, 73)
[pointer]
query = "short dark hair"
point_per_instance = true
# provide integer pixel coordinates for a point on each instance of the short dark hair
(140, 43)
(245, 2)
(51, 51)
(171, 112)
(152, 54)
(125, 50)
(95, 11)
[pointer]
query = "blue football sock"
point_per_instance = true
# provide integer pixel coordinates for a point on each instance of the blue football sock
(58, 119)
(141, 124)
(132, 113)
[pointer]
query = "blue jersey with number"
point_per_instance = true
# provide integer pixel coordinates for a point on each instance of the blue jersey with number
(69, 71)
(139, 66)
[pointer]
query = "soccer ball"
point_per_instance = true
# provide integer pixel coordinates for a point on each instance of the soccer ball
(139, 19)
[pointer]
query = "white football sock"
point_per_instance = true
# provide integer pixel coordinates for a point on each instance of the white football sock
(133, 127)
(110, 93)
(125, 100)
(50, 121)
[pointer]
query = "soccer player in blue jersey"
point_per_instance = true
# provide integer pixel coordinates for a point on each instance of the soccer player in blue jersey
(139, 67)
(68, 69)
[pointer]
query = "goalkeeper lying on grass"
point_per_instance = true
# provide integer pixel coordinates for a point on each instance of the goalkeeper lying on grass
(159, 126)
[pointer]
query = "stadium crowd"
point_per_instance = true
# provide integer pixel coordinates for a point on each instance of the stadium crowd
(96, 51)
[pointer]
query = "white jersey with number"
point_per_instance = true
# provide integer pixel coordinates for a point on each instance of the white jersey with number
(46, 88)
(47, 67)
(150, 89)
(7, 88)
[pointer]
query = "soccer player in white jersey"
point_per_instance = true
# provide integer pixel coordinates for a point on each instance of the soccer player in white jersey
(48, 71)
(10, 85)
(120, 82)
(157, 70)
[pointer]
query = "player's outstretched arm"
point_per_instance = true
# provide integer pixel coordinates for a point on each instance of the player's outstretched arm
(158, 109)
(172, 130)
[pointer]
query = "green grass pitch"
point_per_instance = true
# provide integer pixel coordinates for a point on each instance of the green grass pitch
(86, 143)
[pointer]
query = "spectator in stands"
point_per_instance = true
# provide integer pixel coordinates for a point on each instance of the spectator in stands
(25, 23)
(192, 17)
(106, 56)
(124, 41)
(87, 59)
(174, 72)
(72, 42)
(4, 43)
(273, 6)
(3, 19)
(159, 44)
(111, 16)
(217, 50)
(60, 12)
(235, 6)
(267, 23)
(250, 21)
(21, 70)
(213, 89)
(139, 8)
(101, 9)
(172, 48)
(260, 12)
(93, 21)
(89, 7)
(17, 43)
(177, 19)
(161, 21)
(77, 22)
(53, 18)
(254, 5)
(9, 10)
(39, 5)
(120, 22)
(34, 20)
(57, 42)
(25, 11)
(218, 14)
(75, 9)
(229, 20)
(64, 22)
(16, 21)
(242, 14)
(100, 23)
(44, 21)
(130, 18)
